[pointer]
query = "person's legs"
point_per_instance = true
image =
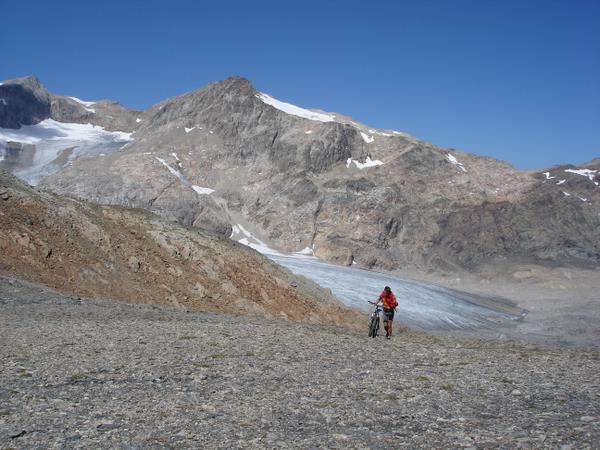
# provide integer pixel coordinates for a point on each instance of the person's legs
(386, 325)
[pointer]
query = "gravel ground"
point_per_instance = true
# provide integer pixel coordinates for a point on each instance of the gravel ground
(102, 374)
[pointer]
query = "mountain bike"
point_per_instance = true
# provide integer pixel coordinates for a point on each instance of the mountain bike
(375, 319)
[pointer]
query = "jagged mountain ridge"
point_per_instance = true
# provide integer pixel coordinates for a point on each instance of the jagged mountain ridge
(351, 193)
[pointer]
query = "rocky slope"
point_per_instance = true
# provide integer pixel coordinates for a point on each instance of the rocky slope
(296, 179)
(99, 374)
(132, 255)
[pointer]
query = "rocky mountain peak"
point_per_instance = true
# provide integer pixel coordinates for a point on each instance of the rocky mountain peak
(237, 84)
(31, 82)
(23, 101)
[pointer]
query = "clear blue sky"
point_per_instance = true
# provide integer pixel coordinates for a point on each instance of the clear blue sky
(516, 80)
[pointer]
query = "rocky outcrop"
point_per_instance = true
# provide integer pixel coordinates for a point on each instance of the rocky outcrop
(132, 255)
(24, 101)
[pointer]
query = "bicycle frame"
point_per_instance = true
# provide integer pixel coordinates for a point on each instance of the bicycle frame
(378, 309)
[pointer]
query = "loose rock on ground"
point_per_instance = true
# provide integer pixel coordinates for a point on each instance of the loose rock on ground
(78, 373)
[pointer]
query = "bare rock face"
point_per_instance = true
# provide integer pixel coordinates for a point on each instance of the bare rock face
(227, 154)
(24, 102)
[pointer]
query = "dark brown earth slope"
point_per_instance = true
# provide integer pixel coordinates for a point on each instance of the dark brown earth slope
(132, 255)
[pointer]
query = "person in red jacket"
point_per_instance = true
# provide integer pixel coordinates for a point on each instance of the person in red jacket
(388, 299)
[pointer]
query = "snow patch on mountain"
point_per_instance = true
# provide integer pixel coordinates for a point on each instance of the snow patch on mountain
(202, 190)
(588, 173)
(197, 189)
(368, 163)
(85, 104)
(547, 175)
(294, 110)
(368, 139)
(175, 172)
(251, 241)
(306, 251)
(244, 237)
(452, 159)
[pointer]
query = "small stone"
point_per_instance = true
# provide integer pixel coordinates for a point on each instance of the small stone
(515, 392)
(134, 264)
(17, 434)
(587, 418)
(105, 426)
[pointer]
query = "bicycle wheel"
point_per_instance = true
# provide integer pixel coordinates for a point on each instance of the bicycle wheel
(372, 329)
(376, 327)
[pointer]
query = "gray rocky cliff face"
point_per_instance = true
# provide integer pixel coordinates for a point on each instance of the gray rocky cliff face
(24, 101)
(354, 194)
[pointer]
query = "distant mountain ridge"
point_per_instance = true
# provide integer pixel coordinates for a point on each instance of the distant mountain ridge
(25, 101)
(306, 180)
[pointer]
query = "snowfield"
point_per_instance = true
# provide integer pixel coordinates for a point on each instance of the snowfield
(421, 306)
(51, 138)
(294, 110)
